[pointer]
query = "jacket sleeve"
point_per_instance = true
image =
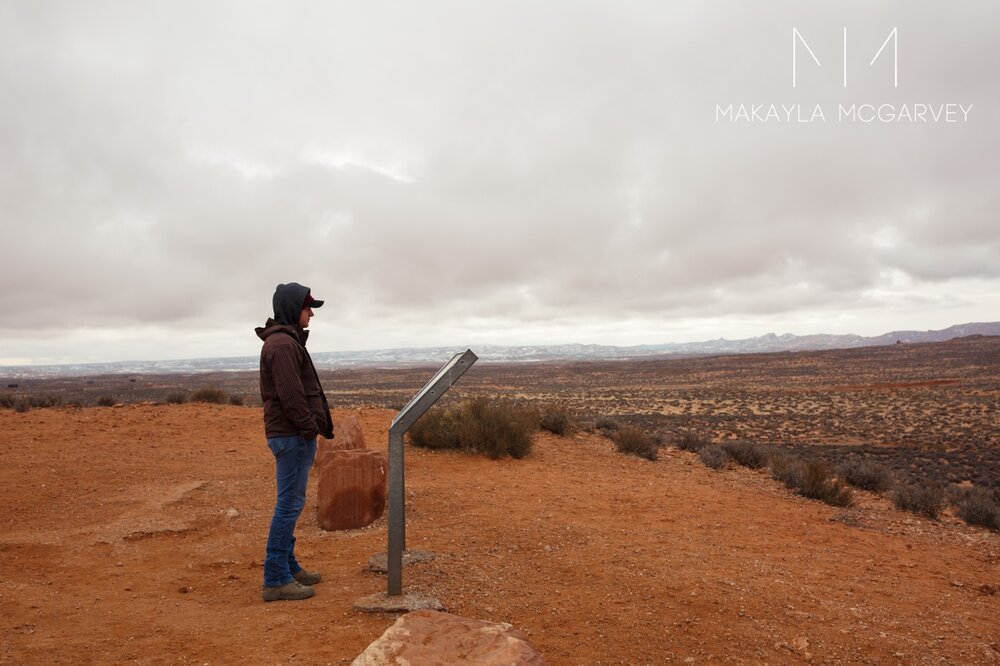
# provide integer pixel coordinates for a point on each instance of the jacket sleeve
(286, 369)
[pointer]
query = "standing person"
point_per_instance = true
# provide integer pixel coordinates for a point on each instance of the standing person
(295, 412)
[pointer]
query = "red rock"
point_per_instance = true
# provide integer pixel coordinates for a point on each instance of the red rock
(352, 489)
(432, 637)
(347, 434)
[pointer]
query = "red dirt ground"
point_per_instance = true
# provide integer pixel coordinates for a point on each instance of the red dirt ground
(135, 535)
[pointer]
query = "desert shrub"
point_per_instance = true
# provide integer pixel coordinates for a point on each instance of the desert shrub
(818, 483)
(787, 468)
(26, 403)
(688, 441)
(236, 400)
(212, 395)
(492, 427)
(927, 498)
(866, 475)
(177, 398)
(714, 457)
(607, 424)
(978, 506)
(45, 401)
(635, 441)
(747, 454)
(559, 421)
(105, 401)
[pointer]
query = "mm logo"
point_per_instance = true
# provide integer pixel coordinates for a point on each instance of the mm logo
(798, 39)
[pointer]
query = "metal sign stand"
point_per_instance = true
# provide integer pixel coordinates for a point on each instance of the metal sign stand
(421, 402)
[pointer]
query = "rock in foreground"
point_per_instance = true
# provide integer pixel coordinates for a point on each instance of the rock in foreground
(430, 637)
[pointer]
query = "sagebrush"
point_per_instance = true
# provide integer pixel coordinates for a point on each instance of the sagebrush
(212, 395)
(747, 454)
(635, 441)
(689, 441)
(492, 427)
(866, 475)
(978, 506)
(926, 499)
(559, 421)
(714, 457)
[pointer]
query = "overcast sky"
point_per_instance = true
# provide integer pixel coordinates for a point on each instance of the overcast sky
(462, 173)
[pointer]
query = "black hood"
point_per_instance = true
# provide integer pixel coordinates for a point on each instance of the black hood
(287, 303)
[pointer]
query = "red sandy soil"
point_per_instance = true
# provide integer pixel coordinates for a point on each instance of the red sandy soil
(135, 535)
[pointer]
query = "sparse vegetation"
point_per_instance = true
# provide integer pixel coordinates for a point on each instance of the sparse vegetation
(787, 468)
(818, 483)
(607, 424)
(210, 395)
(105, 401)
(177, 398)
(713, 456)
(28, 402)
(978, 506)
(633, 440)
(559, 421)
(493, 427)
(747, 454)
(866, 475)
(236, 400)
(809, 478)
(926, 499)
(688, 441)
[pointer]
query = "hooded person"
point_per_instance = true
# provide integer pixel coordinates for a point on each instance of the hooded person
(296, 411)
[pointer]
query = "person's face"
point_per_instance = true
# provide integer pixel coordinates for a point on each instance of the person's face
(305, 316)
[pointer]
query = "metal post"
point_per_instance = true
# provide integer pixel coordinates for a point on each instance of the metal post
(397, 517)
(421, 402)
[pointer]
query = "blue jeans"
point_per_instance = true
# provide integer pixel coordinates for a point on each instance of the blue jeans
(293, 457)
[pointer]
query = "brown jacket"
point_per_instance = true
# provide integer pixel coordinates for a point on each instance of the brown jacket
(294, 401)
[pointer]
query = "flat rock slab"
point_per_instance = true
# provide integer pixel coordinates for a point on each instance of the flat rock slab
(429, 637)
(380, 562)
(382, 602)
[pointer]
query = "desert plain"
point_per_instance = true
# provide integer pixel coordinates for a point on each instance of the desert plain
(135, 533)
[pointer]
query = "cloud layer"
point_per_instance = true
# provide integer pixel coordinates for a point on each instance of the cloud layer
(449, 173)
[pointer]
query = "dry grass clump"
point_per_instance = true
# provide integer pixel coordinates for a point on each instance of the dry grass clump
(926, 499)
(636, 442)
(236, 400)
(747, 454)
(714, 457)
(105, 401)
(979, 506)
(177, 398)
(559, 421)
(867, 475)
(210, 395)
(688, 441)
(492, 427)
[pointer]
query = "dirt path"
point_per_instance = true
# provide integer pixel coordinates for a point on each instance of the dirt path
(135, 535)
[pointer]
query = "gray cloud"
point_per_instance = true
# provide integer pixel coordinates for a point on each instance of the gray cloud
(546, 171)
